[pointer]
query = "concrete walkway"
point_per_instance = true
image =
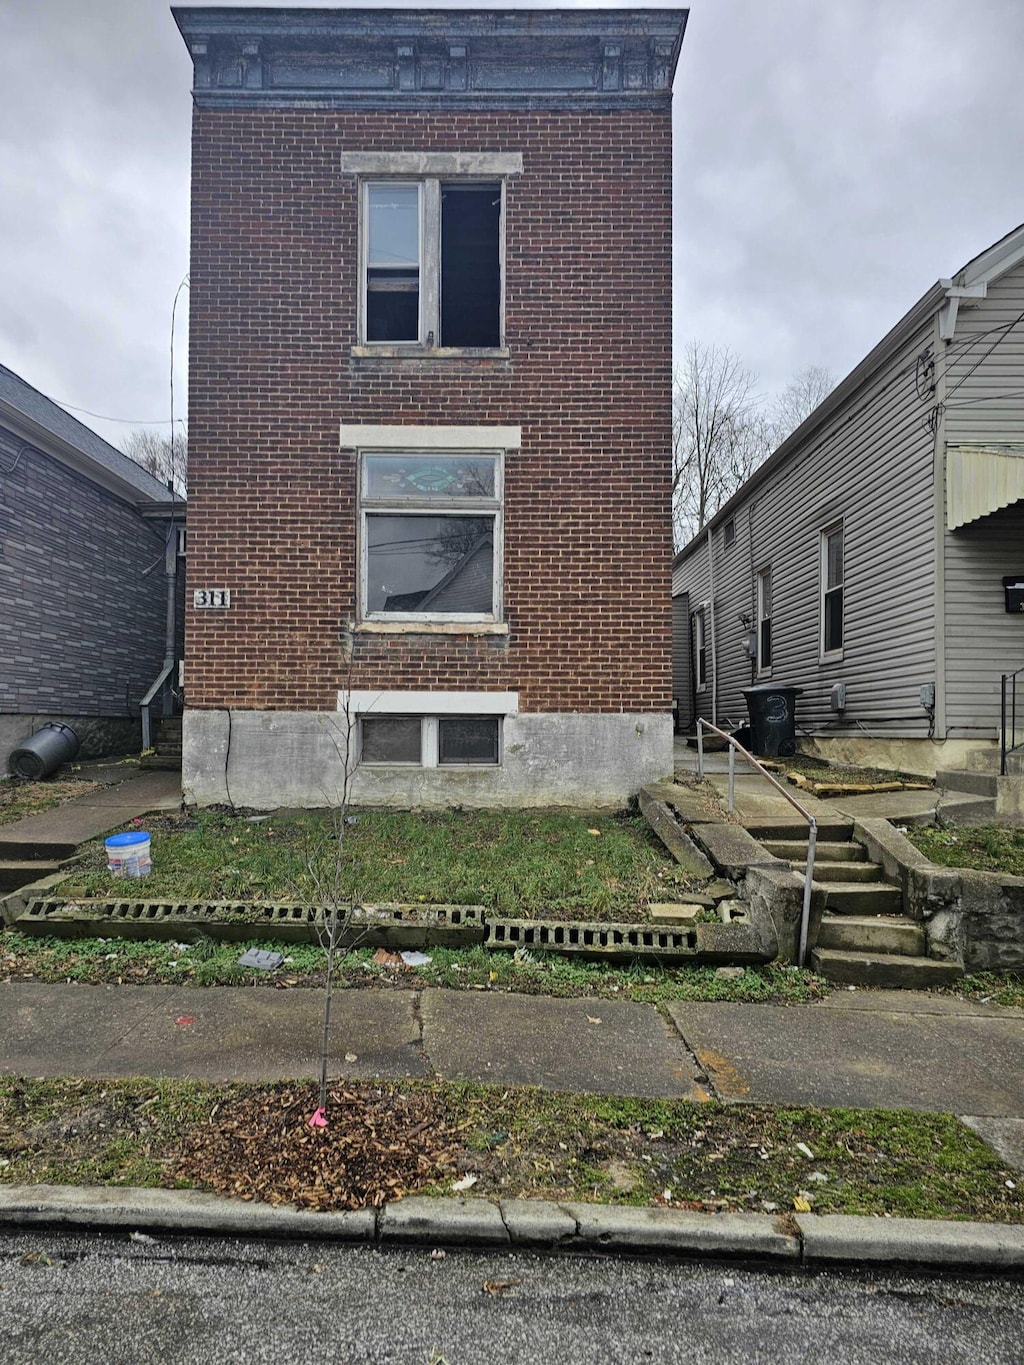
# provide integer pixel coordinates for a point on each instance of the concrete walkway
(124, 794)
(872, 1049)
(757, 799)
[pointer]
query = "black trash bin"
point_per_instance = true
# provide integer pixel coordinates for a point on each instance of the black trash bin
(772, 712)
(44, 752)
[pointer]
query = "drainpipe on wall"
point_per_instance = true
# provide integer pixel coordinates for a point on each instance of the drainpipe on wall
(711, 622)
(939, 527)
(171, 575)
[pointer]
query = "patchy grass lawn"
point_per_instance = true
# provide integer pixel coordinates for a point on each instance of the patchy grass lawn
(385, 1141)
(984, 848)
(96, 961)
(567, 865)
(18, 799)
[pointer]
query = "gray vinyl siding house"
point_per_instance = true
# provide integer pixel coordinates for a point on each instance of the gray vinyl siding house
(881, 532)
(83, 582)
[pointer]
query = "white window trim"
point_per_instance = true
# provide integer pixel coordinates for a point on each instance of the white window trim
(371, 437)
(484, 507)
(763, 575)
(426, 171)
(430, 732)
(831, 655)
(368, 702)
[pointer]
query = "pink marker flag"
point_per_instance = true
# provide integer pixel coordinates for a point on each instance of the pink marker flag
(318, 1120)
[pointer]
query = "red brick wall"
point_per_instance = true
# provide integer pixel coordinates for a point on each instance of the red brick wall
(273, 319)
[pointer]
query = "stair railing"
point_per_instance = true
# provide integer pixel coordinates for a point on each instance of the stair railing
(812, 824)
(1008, 706)
(147, 702)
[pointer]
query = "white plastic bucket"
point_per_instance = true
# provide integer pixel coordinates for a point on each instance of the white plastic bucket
(128, 855)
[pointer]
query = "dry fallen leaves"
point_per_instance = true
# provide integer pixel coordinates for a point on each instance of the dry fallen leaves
(497, 1287)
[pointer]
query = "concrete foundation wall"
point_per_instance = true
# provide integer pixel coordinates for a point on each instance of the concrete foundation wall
(267, 759)
(922, 756)
(98, 735)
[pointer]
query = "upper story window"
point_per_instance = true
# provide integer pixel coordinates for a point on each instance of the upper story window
(430, 532)
(729, 533)
(432, 273)
(832, 578)
(700, 649)
(431, 249)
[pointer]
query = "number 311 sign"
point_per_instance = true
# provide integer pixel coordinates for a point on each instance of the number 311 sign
(211, 597)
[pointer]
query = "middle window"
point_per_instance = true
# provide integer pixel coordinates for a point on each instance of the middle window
(431, 537)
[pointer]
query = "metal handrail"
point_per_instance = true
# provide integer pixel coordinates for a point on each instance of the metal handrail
(812, 832)
(1004, 748)
(147, 702)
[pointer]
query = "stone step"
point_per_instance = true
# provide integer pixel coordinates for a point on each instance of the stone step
(827, 871)
(170, 725)
(783, 827)
(37, 851)
(959, 808)
(884, 969)
(847, 898)
(17, 872)
(963, 780)
(796, 850)
(161, 761)
(890, 934)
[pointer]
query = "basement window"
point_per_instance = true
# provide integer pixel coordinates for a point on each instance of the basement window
(430, 741)
(432, 272)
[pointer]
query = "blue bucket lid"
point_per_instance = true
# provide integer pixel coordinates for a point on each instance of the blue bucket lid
(126, 840)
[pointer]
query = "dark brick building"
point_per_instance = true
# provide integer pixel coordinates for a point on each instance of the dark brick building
(430, 404)
(86, 539)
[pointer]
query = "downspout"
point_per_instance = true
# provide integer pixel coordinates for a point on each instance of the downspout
(711, 623)
(171, 576)
(938, 717)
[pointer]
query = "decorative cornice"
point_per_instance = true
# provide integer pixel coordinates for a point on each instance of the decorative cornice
(429, 58)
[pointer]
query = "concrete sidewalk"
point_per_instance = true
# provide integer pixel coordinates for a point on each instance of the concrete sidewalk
(757, 799)
(880, 1049)
(125, 793)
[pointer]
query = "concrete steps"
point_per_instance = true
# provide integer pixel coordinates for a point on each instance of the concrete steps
(864, 938)
(18, 872)
(977, 793)
(967, 780)
(873, 934)
(884, 970)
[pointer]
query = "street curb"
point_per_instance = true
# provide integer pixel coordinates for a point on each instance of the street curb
(815, 1239)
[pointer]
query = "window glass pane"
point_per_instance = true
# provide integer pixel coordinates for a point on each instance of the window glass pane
(430, 564)
(765, 657)
(394, 227)
(470, 265)
(834, 541)
(765, 585)
(429, 476)
(390, 739)
(834, 620)
(466, 739)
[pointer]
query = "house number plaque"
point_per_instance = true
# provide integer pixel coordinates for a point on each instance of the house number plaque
(211, 597)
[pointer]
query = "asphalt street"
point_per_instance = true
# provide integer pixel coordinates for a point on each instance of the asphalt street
(116, 1299)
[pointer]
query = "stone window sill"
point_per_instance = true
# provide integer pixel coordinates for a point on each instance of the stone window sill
(385, 352)
(431, 628)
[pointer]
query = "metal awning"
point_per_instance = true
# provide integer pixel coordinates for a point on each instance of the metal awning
(980, 480)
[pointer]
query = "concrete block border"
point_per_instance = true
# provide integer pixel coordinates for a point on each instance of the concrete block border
(584, 1229)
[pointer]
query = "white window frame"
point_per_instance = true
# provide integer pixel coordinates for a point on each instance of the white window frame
(429, 708)
(700, 649)
(428, 170)
(434, 507)
(764, 581)
(826, 591)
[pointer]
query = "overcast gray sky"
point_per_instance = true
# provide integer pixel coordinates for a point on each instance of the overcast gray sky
(833, 159)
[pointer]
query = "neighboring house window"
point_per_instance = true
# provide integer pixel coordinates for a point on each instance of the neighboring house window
(729, 533)
(700, 652)
(431, 741)
(764, 620)
(431, 536)
(432, 254)
(832, 589)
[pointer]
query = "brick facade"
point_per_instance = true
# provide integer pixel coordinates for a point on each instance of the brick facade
(274, 288)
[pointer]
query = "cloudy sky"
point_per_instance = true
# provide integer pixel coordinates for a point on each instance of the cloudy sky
(832, 161)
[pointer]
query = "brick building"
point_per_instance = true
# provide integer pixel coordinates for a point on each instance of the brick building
(430, 405)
